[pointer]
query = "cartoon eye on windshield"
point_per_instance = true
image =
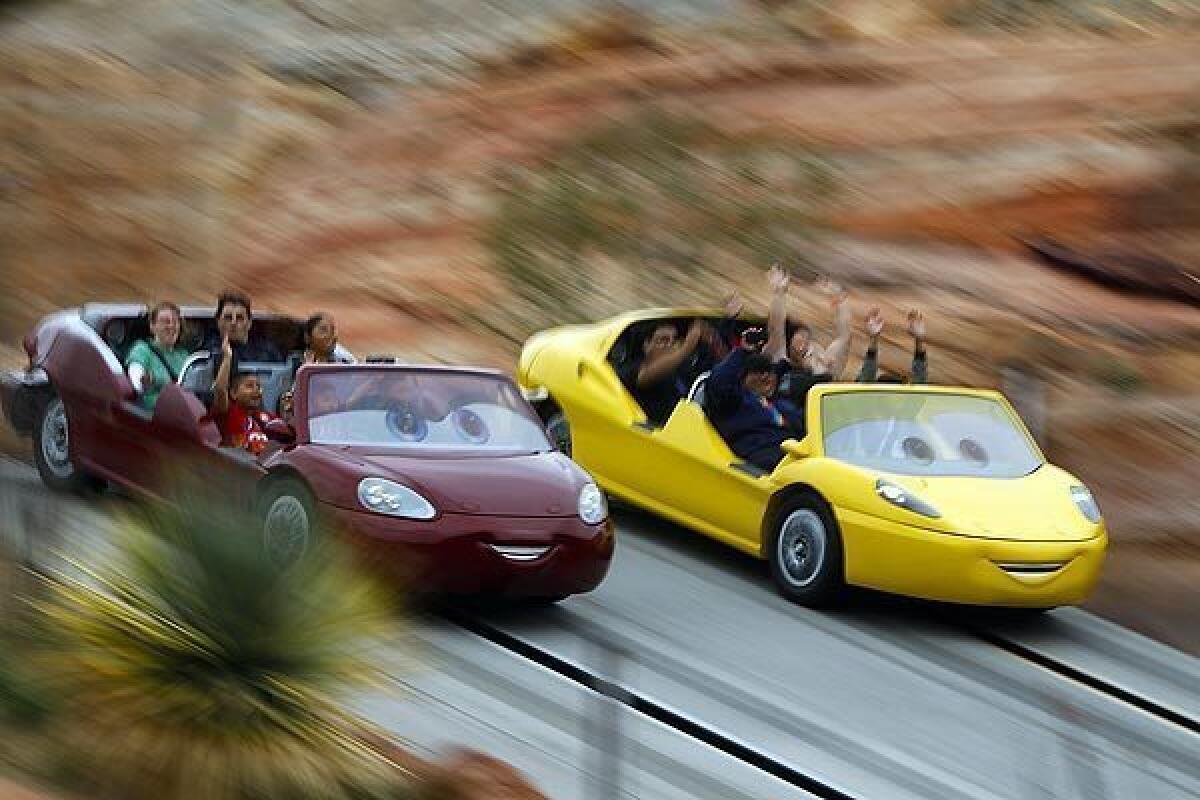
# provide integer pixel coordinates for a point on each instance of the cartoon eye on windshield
(917, 449)
(470, 426)
(406, 426)
(973, 451)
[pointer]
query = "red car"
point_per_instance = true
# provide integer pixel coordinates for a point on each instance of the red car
(444, 473)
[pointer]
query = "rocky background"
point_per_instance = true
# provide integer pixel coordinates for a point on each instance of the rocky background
(447, 177)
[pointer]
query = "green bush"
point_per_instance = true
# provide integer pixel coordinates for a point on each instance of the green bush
(1081, 14)
(661, 196)
(1119, 375)
(192, 667)
(22, 702)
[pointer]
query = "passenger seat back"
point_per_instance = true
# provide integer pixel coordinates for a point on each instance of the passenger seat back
(197, 376)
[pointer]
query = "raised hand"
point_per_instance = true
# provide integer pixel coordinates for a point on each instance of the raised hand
(836, 293)
(874, 322)
(916, 324)
(226, 349)
(778, 279)
(733, 304)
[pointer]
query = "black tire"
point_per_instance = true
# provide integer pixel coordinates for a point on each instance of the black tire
(289, 522)
(1022, 616)
(52, 448)
(804, 550)
(560, 431)
(547, 601)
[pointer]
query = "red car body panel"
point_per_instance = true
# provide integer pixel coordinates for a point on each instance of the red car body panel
(452, 552)
(519, 485)
(497, 497)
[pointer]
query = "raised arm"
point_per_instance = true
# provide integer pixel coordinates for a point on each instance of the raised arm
(221, 382)
(665, 364)
(870, 365)
(727, 331)
(834, 359)
(920, 362)
(776, 346)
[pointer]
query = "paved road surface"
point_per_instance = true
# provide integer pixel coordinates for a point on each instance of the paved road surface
(888, 699)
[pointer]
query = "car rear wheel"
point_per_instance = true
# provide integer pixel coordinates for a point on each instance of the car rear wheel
(560, 431)
(289, 523)
(805, 552)
(52, 449)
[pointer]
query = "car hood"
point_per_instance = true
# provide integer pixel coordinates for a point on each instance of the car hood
(526, 485)
(1034, 507)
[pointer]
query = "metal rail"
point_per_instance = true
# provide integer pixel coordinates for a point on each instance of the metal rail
(642, 703)
(1077, 675)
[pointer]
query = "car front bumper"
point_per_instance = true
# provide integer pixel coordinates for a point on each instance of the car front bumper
(466, 554)
(892, 557)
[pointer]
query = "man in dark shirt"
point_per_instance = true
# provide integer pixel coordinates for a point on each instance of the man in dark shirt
(233, 323)
(653, 379)
(742, 404)
(231, 341)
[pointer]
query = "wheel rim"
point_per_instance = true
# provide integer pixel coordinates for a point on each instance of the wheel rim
(286, 531)
(801, 547)
(560, 432)
(56, 439)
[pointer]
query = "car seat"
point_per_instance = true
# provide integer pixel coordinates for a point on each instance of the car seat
(697, 393)
(180, 412)
(275, 378)
(197, 376)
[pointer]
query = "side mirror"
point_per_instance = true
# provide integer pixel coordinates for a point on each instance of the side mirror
(279, 431)
(797, 448)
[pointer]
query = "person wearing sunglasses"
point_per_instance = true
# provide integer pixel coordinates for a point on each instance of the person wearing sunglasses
(234, 320)
(232, 340)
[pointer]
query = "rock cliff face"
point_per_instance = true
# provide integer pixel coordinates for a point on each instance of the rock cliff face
(368, 165)
(942, 155)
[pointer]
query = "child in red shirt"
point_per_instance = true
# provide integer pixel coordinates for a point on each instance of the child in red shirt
(243, 422)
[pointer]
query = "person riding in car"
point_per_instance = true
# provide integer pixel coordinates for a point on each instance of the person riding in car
(743, 406)
(234, 320)
(242, 421)
(153, 363)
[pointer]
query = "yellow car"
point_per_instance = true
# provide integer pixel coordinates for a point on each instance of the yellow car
(933, 492)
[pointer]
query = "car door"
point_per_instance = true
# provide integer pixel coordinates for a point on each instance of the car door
(705, 485)
(611, 437)
(186, 442)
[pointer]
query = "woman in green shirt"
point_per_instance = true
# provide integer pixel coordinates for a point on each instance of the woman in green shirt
(152, 364)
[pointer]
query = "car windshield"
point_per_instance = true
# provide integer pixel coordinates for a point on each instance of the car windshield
(916, 433)
(421, 409)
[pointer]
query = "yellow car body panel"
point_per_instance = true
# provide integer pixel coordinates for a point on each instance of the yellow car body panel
(998, 541)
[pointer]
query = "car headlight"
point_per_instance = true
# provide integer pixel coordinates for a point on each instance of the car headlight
(593, 509)
(899, 496)
(1086, 503)
(388, 497)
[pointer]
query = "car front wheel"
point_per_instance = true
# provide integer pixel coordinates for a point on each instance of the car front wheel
(805, 552)
(288, 523)
(52, 448)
